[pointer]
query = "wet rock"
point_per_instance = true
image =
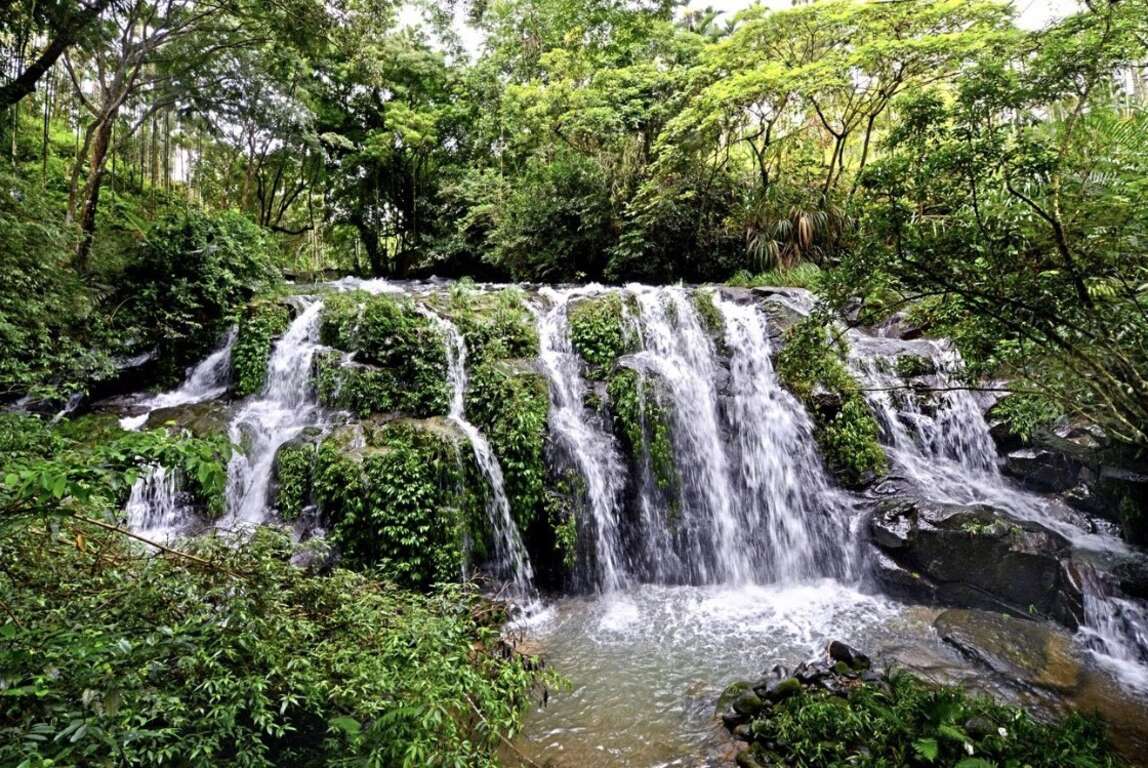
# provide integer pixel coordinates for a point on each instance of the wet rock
(849, 656)
(826, 403)
(1042, 470)
(743, 732)
(201, 419)
(730, 694)
(1032, 652)
(783, 689)
(900, 327)
(748, 758)
(1132, 576)
(976, 557)
(748, 703)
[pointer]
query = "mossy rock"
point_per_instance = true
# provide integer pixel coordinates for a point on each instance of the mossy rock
(598, 332)
(294, 477)
(496, 325)
(260, 323)
(644, 427)
(205, 419)
(914, 366)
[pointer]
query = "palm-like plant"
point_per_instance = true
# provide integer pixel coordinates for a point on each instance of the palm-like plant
(783, 229)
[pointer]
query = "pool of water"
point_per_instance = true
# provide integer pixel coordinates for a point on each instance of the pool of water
(645, 666)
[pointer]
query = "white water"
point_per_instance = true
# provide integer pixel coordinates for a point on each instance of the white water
(153, 511)
(281, 412)
(511, 560)
(206, 381)
(582, 436)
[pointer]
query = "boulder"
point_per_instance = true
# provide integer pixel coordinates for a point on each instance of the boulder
(1043, 470)
(201, 419)
(974, 556)
(1034, 653)
(849, 656)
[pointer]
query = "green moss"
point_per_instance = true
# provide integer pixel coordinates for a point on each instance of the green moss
(902, 720)
(260, 323)
(912, 366)
(598, 334)
(400, 357)
(708, 313)
(848, 435)
(496, 325)
(400, 504)
(294, 479)
(511, 408)
(644, 425)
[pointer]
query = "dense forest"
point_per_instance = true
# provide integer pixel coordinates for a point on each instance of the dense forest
(169, 169)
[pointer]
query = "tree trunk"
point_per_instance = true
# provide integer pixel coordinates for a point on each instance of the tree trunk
(101, 143)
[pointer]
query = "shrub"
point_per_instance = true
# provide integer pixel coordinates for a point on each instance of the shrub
(644, 425)
(597, 332)
(847, 434)
(294, 478)
(259, 325)
(120, 658)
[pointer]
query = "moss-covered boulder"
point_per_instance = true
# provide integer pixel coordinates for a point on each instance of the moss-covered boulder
(260, 323)
(598, 332)
(400, 496)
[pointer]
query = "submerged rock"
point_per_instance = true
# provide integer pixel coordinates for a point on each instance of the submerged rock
(1032, 652)
(975, 557)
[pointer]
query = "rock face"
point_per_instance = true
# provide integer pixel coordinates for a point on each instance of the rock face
(974, 557)
(1031, 652)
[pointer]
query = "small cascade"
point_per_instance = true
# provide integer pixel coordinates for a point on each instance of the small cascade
(581, 435)
(153, 510)
(795, 523)
(680, 353)
(206, 381)
(1116, 631)
(511, 559)
(277, 415)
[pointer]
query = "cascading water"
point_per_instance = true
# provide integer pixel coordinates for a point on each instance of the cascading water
(794, 522)
(206, 381)
(153, 510)
(277, 415)
(511, 560)
(581, 434)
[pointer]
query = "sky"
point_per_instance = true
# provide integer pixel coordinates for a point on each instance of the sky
(1033, 14)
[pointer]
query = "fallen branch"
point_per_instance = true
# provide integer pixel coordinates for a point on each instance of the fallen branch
(162, 547)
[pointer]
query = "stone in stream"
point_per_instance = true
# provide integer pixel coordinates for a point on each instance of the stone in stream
(205, 419)
(1033, 653)
(975, 556)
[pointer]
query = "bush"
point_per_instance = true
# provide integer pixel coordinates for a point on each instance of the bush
(402, 504)
(259, 325)
(597, 332)
(901, 720)
(389, 333)
(186, 280)
(847, 434)
(645, 426)
(121, 658)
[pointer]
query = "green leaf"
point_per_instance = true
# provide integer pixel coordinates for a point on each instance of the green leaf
(926, 749)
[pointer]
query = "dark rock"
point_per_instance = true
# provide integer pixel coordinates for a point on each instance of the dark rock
(976, 557)
(899, 327)
(980, 727)
(1034, 653)
(731, 720)
(1042, 470)
(1132, 576)
(730, 695)
(850, 657)
(743, 732)
(748, 758)
(826, 403)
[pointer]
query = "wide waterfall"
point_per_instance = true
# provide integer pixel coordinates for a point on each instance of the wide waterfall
(512, 563)
(281, 412)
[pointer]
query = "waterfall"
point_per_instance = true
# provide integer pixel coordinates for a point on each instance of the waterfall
(278, 414)
(581, 435)
(511, 560)
(795, 523)
(153, 509)
(206, 381)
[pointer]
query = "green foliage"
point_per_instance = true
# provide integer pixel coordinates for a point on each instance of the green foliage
(186, 279)
(511, 407)
(294, 478)
(597, 332)
(904, 721)
(847, 431)
(1027, 413)
(88, 466)
(495, 326)
(912, 366)
(708, 313)
(805, 276)
(121, 658)
(401, 504)
(406, 350)
(645, 425)
(360, 389)
(260, 324)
